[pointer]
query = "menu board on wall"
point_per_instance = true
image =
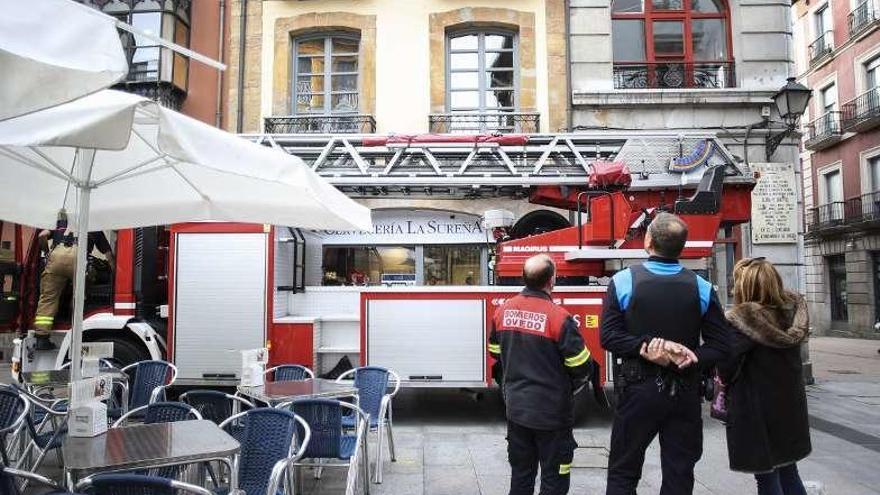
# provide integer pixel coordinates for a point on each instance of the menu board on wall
(774, 204)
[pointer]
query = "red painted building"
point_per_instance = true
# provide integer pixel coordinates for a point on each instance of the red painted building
(837, 51)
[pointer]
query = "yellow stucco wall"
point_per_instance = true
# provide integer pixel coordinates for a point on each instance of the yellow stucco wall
(403, 58)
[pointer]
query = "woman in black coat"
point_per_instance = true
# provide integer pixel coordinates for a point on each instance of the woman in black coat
(767, 429)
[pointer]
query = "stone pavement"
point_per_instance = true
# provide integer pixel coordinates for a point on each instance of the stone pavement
(450, 444)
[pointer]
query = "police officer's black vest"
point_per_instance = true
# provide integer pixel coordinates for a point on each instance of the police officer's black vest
(665, 306)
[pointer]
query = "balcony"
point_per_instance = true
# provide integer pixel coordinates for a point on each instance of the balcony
(856, 213)
(821, 48)
(862, 18)
(862, 112)
(674, 75)
(482, 123)
(320, 124)
(823, 132)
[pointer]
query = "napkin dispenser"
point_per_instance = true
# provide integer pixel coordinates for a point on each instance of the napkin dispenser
(87, 420)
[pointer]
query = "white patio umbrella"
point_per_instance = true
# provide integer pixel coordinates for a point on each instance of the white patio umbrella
(119, 161)
(52, 52)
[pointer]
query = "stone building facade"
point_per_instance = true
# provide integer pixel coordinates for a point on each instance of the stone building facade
(837, 49)
(711, 65)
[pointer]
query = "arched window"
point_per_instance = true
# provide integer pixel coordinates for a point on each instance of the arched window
(481, 80)
(671, 44)
(325, 75)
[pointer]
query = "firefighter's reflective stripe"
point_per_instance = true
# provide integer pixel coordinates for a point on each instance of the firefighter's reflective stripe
(495, 348)
(578, 359)
(44, 319)
(564, 468)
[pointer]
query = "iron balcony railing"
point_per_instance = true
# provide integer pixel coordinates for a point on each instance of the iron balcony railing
(674, 75)
(862, 17)
(853, 212)
(862, 109)
(821, 47)
(321, 124)
(483, 122)
(823, 130)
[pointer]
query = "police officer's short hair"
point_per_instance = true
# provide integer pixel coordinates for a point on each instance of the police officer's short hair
(668, 235)
(537, 275)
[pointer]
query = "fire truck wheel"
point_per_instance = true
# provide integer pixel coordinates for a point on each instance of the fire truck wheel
(126, 352)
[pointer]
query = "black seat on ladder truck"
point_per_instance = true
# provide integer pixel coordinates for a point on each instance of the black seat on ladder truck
(707, 199)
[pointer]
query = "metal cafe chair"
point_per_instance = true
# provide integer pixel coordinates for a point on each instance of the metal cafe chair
(9, 479)
(214, 405)
(130, 484)
(46, 423)
(148, 384)
(329, 445)
(289, 372)
(373, 397)
(161, 412)
(272, 442)
(14, 409)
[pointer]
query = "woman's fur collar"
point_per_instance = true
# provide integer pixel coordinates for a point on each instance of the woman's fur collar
(772, 326)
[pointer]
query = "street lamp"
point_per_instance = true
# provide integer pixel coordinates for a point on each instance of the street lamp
(791, 102)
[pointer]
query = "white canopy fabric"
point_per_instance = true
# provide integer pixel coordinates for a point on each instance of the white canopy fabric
(52, 52)
(154, 166)
(118, 160)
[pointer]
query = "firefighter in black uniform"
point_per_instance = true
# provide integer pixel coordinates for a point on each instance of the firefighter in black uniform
(542, 356)
(653, 319)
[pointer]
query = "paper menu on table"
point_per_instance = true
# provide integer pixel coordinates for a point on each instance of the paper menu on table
(88, 390)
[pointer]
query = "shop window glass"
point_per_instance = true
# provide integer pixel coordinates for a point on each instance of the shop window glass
(837, 287)
(369, 265)
(452, 265)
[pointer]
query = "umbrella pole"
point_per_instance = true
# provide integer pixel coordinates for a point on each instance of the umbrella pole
(86, 159)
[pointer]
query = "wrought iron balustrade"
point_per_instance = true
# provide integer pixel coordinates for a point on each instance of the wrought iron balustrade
(484, 122)
(321, 124)
(674, 75)
(862, 17)
(863, 111)
(824, 131)
(854, 212)
(821, 47)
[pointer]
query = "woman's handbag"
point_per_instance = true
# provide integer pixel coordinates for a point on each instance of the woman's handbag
(720, 397)
(718, 408)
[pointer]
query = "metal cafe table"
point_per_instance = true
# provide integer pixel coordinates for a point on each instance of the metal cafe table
(148, 446)
(275, 393)
(60, 378)
(52, 379)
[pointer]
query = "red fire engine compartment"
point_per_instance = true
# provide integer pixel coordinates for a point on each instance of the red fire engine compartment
(437, 337)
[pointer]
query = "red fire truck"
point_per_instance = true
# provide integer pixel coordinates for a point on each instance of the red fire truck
(196, 294)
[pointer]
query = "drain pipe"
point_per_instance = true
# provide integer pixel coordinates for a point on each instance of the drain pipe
(569, 110)
(218, 116)
(242, 32)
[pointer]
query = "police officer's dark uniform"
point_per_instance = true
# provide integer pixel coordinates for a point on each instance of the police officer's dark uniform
(659, 299)
(541, 352)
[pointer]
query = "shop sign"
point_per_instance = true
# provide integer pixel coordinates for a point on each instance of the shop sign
(774, 204)
(410, 227)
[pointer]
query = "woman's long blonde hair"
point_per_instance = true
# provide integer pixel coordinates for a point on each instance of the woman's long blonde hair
(756, 280)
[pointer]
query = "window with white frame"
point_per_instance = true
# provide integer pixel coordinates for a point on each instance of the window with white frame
(325, 75)
(833, 186)
(827, 122)
(481, 72)
(872, 74)
(874, 173)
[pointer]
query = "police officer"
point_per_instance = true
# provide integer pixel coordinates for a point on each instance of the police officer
(59, 270)
(541, 353)
(653, 319)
